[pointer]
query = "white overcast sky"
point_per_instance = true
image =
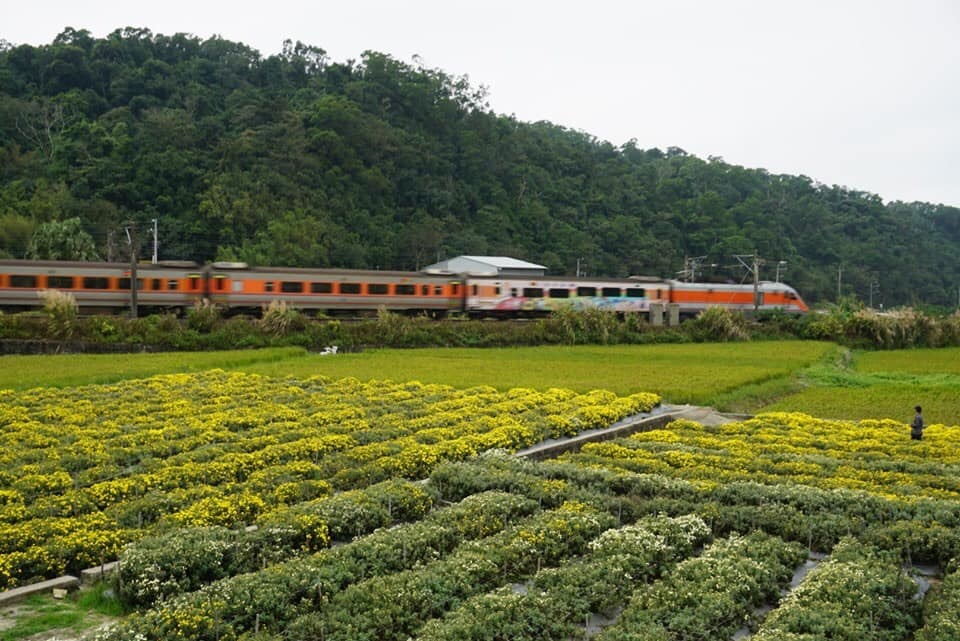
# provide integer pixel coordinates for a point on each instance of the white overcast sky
(859, 93)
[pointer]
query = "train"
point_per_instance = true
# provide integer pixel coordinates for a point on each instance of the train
(175, 286)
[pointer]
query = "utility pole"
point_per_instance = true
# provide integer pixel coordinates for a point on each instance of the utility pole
(839, 280)
(756, 283)
(132, 239)
(156, 241)
(753, 268)
(690, 266)
(780, 263)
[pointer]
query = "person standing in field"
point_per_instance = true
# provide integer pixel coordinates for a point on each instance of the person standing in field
(916, 427)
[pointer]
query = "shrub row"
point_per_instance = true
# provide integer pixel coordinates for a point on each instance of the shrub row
(920, 530)
(226, 449)
(275, 595)
(205, 329)
(556, 602)
(858, 594)
(940, 620)
(395, 606)
(711, 596)
(183, 559)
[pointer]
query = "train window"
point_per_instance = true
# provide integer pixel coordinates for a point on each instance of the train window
(349, 288)
(61, 282)
(268, 286)
(405, 290)
(586, 291)
(456, 288)
(291, 287)
(124, 283)
(513, 292)
(19, 280)
(424, 290)
(219, 282)
(496, 290)
(533, 292)
(559, 293)
(194, 282)
(156, 284)
(377, 288)
(636, 292)
(173, 284)
(321, 288)
(474, 289)
(97, 282)
(438, 290)
(611, 292)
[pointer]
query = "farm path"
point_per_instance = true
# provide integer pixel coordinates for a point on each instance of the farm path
(702, 415)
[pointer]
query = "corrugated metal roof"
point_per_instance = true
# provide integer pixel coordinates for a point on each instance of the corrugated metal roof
(503, 262)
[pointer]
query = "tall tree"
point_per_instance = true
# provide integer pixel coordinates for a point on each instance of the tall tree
(62, 240)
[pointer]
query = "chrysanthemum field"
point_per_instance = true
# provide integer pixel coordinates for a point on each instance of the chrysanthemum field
(254, 507)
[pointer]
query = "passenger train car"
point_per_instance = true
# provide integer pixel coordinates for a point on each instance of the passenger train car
(498, 296)
(178, 285)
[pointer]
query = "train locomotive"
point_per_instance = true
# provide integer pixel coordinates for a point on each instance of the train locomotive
(174, 286)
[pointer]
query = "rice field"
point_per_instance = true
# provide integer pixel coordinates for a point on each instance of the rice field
(685, 373)
(882, 385)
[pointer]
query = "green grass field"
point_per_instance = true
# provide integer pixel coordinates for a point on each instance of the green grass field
(941, 403)
(688, 373)
(65, 370)
(911, 361)
(681, 373)
(882, 385)
(809, 377)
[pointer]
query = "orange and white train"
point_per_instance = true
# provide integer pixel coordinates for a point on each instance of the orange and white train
(178, 285)
(500, 296)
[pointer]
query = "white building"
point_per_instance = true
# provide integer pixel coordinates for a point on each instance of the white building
(486, 266)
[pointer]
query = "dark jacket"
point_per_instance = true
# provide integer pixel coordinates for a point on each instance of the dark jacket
(916, 428)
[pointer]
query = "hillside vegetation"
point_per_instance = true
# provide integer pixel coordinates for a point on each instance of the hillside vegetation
(300, 160)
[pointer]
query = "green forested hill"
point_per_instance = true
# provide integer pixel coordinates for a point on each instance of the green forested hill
(295, 159)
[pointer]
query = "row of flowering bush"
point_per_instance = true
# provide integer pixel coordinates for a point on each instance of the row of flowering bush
(871, 455)
(301, 598)
(556, 602)
(444, 549)
(281, 591)
(226, 449)
(394, 607)
(923, 530)
(858, 594)
(205, 417)
(942, 615)
(183, 559)
(712, 596)
(416, 572)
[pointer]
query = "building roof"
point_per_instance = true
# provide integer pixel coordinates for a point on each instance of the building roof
(485, 266)
(504, 262)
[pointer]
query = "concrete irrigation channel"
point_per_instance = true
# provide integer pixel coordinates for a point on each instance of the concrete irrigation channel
(655, 419)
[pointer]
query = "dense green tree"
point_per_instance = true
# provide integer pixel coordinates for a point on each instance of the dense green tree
(15, 234)
(61, 240)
